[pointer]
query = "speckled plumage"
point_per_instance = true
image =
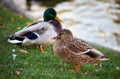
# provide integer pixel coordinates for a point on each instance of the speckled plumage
(75, 51)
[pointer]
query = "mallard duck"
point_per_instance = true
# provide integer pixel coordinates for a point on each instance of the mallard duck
(39, 33)
(75, 51)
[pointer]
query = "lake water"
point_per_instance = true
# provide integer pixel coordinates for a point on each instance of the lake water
(89, 20)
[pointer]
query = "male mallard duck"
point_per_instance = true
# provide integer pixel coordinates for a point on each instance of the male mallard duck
(75, 51)
(38, 33)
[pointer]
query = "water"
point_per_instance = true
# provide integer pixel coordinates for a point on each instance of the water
(89, 20)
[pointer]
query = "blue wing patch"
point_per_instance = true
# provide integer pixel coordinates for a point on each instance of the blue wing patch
(31, 36)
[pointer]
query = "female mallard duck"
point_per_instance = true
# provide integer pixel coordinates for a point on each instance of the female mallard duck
(75, 51)
(38, 33)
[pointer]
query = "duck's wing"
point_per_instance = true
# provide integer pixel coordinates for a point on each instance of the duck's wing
(80, 47)
(34, 23)
(24, 31)
(38, 27)
(70, 56)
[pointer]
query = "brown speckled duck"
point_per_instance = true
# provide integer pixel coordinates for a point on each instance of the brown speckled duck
(75, 51)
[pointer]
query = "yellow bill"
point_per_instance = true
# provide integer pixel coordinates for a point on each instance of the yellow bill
(58, 19)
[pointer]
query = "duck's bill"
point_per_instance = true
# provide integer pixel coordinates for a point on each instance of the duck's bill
(57, 37)
(58, 19)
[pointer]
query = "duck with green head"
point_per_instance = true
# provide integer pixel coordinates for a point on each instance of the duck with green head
(39, 33)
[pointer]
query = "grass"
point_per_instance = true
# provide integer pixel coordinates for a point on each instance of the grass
(36, 65)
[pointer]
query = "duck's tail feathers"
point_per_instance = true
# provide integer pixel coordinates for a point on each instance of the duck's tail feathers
(98, 55)
(15, 40)
(95, 53)
(103, 58)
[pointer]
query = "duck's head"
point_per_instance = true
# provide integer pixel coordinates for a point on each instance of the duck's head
(65, 35)
(50, 14)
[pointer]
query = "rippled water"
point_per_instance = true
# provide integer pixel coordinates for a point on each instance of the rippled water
(88, 20)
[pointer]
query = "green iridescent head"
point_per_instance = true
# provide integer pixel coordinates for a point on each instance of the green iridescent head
(50, 14)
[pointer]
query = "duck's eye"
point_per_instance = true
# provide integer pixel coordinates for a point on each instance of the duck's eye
(61, 33)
